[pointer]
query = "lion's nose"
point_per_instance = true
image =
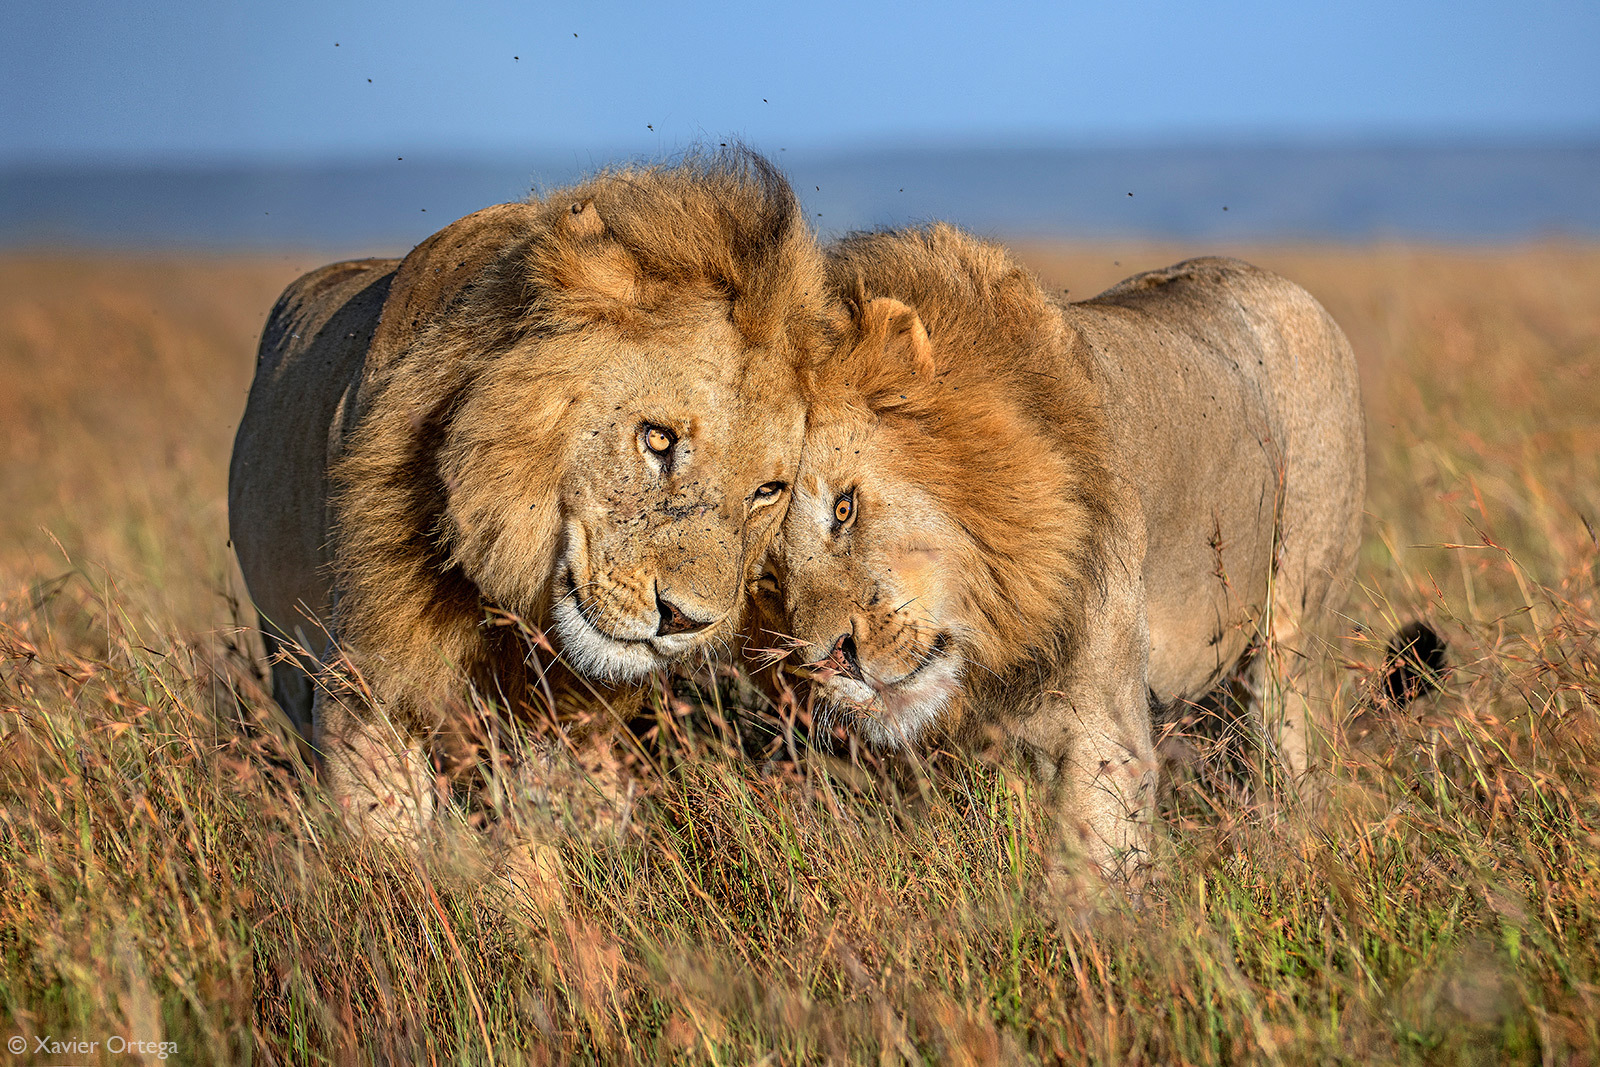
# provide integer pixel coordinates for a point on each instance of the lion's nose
(844, 652)
(674, 621)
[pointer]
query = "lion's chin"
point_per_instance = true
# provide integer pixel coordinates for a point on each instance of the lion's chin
(895, 716)
(599, 656)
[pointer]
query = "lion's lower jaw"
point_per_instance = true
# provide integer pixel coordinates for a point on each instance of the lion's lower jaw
(897, 717)
(596, 656)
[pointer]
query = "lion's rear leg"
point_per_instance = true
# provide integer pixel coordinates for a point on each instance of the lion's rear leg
(377, 773)
(1213, 743)
(1291, 695)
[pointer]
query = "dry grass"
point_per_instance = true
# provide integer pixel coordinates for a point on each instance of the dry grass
(164, 879)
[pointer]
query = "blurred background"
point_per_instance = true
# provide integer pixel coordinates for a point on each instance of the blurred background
(355, 127)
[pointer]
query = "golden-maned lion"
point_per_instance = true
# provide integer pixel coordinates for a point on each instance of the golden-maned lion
(584, 410)
(1042, 520)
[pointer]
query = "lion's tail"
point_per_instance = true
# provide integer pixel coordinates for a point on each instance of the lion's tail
(1414, 664)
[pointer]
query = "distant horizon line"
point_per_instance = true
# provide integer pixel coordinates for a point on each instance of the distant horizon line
(853, 149)
(1474, 189)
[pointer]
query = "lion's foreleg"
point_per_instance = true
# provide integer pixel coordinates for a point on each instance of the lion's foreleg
(1090, 741)
(1102, 784)
(377, 772)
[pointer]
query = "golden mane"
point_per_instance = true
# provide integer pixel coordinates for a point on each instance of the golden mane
(1018, 462)
(445, 499)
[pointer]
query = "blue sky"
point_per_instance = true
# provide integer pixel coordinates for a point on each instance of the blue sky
(289, 80)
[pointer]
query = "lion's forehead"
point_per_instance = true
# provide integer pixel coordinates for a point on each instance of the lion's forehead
(727, 414)
(768, 432)
(878, 466)
(838, 455)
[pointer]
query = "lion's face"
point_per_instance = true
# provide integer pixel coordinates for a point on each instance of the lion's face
(583, 411)
(678, 467)
(870, 568)
(932, 535)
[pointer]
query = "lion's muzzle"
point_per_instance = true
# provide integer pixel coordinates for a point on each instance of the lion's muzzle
(620, 629)
(893, 694)
(674, 620)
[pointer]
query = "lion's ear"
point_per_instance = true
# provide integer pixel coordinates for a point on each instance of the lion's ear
(437, 271)
(887, 356)
(894, 329)
(583, 220)
(899, 330)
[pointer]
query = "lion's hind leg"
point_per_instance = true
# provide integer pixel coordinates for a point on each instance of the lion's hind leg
(1291, 694)
(1212, 743)
(1257, 734)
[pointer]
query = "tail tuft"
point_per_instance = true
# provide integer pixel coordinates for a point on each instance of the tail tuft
(1414, 664)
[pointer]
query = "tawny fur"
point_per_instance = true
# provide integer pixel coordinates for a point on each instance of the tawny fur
(431, 440)
(1013, 450)
(1061, 514)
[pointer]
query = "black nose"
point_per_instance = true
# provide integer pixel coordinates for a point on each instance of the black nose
(845, 649)
(674, 621)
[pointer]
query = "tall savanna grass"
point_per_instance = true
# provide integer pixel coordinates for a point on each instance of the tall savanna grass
(168, 877)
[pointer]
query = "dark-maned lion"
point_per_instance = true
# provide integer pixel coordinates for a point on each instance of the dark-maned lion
(1040, 520)
(585, 410)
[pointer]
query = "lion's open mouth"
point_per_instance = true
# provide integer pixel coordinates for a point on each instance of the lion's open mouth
(835, 667)
(888, 708)
(889, 714)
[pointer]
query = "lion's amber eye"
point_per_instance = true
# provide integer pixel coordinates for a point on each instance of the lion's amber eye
(844, 508)
(658, 440)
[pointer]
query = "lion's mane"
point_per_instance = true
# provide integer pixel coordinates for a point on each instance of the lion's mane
(1019, 462)
(445, 498)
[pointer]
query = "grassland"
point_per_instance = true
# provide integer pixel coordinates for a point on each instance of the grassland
(166, 878)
